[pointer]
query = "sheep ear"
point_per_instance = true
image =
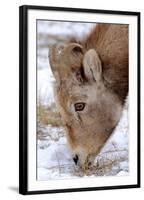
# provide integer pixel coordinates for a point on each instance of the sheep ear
(92, 66)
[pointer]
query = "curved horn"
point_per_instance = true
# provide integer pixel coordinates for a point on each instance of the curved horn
(72, 54)
(71, 59)
(54, 58)
(64, 57)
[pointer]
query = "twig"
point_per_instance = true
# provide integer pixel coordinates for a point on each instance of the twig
(58, 163)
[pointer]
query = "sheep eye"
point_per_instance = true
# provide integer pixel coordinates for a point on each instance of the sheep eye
(79, 106)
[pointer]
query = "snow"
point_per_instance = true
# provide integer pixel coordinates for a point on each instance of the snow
(64, 28)
(54, 160)
(45, 86)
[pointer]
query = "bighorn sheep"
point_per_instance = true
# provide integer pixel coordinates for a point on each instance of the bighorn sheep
(91, 87)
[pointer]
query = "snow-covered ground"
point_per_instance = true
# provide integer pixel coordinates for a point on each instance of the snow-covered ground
(54, 159)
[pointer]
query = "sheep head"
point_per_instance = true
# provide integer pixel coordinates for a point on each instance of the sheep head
(89, 109)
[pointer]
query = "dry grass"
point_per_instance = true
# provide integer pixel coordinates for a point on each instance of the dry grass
(48, 114)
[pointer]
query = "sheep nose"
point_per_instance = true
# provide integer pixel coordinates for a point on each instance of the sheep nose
(75, 159)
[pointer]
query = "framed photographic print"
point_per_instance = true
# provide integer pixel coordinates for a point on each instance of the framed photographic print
(79, 100)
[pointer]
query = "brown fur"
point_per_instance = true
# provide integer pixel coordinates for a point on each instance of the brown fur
(96, 73)
(111, 43)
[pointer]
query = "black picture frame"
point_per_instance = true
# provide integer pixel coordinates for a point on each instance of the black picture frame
(23, 98)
